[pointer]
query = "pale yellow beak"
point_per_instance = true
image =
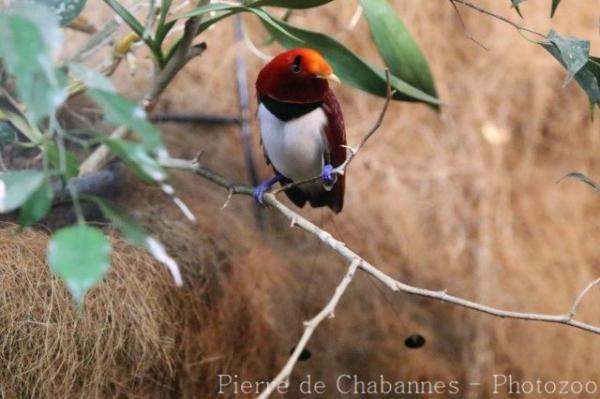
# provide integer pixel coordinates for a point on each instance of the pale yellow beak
(332, 77)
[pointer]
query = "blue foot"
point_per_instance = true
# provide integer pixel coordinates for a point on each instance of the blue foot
(262, 188)
(259, 192)
(327, 175)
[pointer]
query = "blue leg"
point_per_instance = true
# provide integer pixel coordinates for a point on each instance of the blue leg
(262, 188)
(327, 175)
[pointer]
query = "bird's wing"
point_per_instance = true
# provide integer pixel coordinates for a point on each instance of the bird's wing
(335, 132)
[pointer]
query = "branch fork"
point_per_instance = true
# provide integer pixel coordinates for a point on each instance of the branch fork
(357, 262)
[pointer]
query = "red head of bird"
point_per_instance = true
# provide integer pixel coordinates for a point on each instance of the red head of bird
(297, 76)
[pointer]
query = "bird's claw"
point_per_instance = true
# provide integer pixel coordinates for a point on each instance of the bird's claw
(259, 193)
(262, 188)
(327, 175)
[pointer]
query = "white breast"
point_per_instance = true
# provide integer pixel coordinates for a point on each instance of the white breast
(296, 148)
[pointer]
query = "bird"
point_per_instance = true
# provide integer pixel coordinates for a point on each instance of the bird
(302, 128)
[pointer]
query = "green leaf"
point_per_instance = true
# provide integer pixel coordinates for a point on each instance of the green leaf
(351, 69)
(292, 4)
(574, 53)
(229, 10)
(80, 256)
(515, 5)
(165, 6)
(65, 10)
(37, 205)
(71, 162)
(45, 21)
(555, 4)
(136, 235)
(128, 227)
(128, 17)
(588, 77)
(211, 7)
(137, 158)
(163, 28)
(582, 178)
(8, 134)
(121, 111)
(395, 44)
(17, 186)
(27, 50)
(138, 28)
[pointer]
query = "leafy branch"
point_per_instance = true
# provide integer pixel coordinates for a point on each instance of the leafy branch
(572, 53)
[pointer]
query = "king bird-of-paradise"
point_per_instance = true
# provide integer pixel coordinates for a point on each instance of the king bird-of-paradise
(302, 128)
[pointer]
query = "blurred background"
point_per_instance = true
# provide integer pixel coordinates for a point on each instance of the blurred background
(464, 200)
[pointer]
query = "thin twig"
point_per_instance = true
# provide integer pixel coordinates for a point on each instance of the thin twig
(464, 26)
(499, 17)
(309, 328)
(341, 169)
(354, 151)
(98, 40)
(355, 18)
(582, 294)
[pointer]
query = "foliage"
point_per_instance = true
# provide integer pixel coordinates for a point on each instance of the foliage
(398, 49)
(553, 6)
(32, 40)
(574, 55)
(65, 10)
(28, 47)
(80, 255)
(351, 69)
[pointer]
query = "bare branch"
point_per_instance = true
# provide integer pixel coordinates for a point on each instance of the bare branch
(97, 159)
(353, 151)
(518, 27)
(182, 55)
(462, 23)
(358, 262)
(582, 294)
(347, 253)
(309, 328)
(99, 39)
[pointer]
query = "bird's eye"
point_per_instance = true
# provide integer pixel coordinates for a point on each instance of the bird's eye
(296, 65)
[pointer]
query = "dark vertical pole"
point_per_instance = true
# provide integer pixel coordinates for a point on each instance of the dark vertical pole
(244, 107)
